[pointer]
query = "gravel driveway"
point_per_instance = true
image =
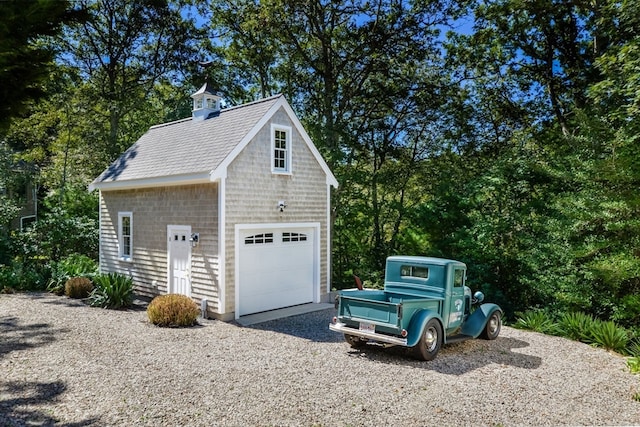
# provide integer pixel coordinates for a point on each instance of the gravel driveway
(64, 363)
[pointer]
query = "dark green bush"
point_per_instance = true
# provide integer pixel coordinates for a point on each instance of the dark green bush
(78, 287)
(111, 290)
(21, 277)
(173, 310)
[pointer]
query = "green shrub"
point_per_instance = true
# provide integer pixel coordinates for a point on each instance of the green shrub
(634, 364)
(74, 265)
(24, 277)
(634, 348)
(111, 290)
(78, 287)
(536, 320)
(173, 310)
(577, 326)
(610, 336)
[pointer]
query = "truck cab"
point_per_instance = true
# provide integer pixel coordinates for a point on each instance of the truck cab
(425, 303)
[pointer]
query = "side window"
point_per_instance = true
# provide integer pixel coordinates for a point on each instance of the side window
(280, 149)
(125, 235)
(458, 278)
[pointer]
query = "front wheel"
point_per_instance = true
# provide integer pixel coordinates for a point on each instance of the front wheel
(430, 341)
(492, 330)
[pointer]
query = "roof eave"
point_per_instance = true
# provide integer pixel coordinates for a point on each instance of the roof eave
(160, 181)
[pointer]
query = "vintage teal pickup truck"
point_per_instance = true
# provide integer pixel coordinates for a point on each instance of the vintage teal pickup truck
(425, 304)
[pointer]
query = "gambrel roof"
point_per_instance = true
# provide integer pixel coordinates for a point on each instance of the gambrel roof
(190, 152)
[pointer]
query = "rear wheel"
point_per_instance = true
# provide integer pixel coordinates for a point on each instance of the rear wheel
(354, 341)
(430, 341)
(492, 330)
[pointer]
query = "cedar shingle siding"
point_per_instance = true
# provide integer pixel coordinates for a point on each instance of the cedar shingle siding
(153, 209)
(253, 193)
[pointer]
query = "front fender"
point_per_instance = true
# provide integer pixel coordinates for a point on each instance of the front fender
(477, 321)
(417, 324)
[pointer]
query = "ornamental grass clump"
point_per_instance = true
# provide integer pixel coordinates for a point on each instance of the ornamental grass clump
(610, 336)
(535, 320)
(577, 326)
(173, 310)
(78, 287)
(111, 290)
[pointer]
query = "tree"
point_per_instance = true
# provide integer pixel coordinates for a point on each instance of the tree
(367, 80)
(122, 51)
(25, 55)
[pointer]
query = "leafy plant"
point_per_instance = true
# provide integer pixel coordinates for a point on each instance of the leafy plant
(610, 336)
(634, 364)
(23, 277)
(78, 287)
(576, 326)
(634, 348)
(173, 310)
(74, 265)
(112, 290)
(535, 320)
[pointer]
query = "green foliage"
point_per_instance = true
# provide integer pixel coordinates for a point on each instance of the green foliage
(112, 290)
(74, 265)
(24, 277)
(609, 336)
(535, 320)
(57, 235)
(634, 352)
(78, 287)
(577, 326)
(581, 327)
(173, 310)
(24, 59)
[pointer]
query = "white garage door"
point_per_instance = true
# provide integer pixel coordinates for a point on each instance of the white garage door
(276, 268)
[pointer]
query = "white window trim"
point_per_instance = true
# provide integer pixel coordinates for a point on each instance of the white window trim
(121, 254)
(288, 130)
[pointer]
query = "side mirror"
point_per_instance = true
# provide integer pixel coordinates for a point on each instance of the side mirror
(478, 297)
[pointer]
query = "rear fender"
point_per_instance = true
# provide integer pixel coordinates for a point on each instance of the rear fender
(417, 324)
(477, 321)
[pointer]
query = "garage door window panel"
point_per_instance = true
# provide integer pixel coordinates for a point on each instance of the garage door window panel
(293, 237)
(259, 239)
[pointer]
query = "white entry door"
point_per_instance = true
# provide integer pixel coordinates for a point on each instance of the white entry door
(179, 259)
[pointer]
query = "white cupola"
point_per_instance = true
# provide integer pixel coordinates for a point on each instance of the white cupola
(206, 101)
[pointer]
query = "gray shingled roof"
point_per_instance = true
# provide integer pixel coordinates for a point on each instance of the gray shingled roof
(186, 146)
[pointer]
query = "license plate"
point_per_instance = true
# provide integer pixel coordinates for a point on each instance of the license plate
(368, 327)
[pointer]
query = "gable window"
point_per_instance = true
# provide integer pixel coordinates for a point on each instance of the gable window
(280, 149)
(125, 235)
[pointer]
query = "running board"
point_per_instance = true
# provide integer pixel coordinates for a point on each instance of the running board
(457, 338)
